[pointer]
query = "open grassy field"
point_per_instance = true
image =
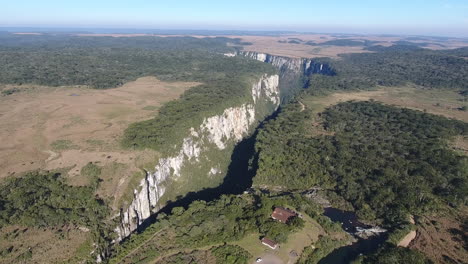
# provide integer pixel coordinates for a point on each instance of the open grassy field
(67, 127)
(37, 245)
(294, 45)
(281, 46)
(443, 237)
(296, 242)
(439, 102)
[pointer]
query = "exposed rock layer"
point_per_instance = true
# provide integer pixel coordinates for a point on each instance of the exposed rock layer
(292, 70)
(297, 65)
(217, 131)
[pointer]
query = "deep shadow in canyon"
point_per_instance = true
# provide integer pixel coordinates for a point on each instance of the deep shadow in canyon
(239, 177)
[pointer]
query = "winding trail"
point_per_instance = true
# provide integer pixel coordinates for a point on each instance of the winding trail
(303, 107)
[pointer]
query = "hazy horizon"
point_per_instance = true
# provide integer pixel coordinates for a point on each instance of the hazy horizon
(430, 17)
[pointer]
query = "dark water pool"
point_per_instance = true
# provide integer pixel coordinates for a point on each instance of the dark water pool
(349, 253)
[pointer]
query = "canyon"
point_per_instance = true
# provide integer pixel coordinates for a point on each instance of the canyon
(217, 133)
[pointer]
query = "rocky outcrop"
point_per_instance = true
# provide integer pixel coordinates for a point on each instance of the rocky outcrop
(292, 70)
(217, 131)
(366, 233)
(297, 65)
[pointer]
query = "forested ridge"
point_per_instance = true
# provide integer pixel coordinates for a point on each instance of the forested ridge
(392, 66)
(372, 154)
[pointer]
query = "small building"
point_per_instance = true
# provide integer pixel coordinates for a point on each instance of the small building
(269, 243)
(282, 214)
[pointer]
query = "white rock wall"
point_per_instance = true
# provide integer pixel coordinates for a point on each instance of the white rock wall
(230, 126)
(298, 65)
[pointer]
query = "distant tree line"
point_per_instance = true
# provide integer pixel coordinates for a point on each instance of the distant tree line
(393, 66)
(105, 62)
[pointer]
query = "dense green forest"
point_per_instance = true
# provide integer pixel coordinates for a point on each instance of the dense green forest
(394, 255)
(371, 154)
(226, 254)
(392, 66)
(44, 199)
(105, 62)
(226, 219)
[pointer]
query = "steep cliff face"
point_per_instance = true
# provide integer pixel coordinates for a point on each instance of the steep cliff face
(297, 65)
(291, 70)
(215, 133)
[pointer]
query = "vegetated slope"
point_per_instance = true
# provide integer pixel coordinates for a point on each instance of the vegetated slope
(373, 154)
(44, 200)
(205, 225)
(227, 83)
(393, 66)
(395, 255)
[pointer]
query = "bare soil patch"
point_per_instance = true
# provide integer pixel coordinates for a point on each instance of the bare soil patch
(407, 239)
(444, 239)
(50, 128)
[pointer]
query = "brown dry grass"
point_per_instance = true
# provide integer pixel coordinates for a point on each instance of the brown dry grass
(460, 143)
(443, 238)
(46, 245)
(271, 44)
(50, 128)
(438, 102)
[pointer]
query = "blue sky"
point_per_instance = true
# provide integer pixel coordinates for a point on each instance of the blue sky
(432, 17)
